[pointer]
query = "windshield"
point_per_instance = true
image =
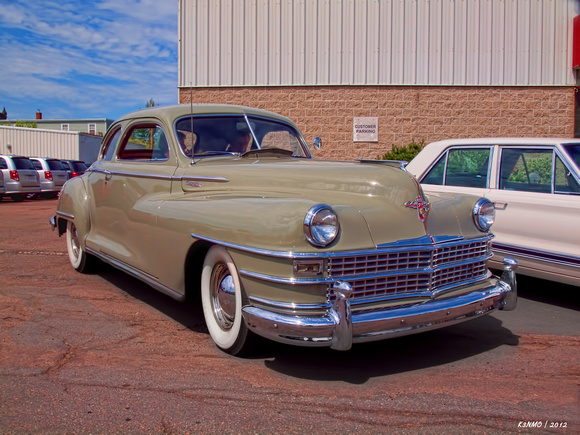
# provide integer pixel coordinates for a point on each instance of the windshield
(236, 134)
(573, 151)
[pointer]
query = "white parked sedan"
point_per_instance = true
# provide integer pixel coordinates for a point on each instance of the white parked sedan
(535, 184)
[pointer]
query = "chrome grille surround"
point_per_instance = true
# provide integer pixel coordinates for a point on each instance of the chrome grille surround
(421, 270)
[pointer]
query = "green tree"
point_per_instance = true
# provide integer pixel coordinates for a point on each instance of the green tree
(151, 103)
(405, 153)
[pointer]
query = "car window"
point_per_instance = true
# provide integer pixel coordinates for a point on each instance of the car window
(3, 164)
(79, 166)
(574, 152)
(461, 167)
(227, 134)
(23, 163)
(564, 181)
(145, 142)
(55, 165)
(37, 165)
(109, 148)
(528, 170)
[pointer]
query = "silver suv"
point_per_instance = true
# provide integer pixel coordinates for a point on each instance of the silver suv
(52, 175)
(19, 175)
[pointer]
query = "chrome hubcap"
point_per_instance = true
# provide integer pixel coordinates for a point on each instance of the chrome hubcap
(223, 296)
(74, 241)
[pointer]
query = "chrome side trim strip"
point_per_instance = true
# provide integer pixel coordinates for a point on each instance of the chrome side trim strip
(163, 177)
(424, 243)
(136, 273)
(202, 178)
(536, 254)
(285, 306)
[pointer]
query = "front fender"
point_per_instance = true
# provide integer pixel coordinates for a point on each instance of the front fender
(269, 223)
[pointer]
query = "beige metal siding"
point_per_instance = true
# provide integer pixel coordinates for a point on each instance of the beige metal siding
(370, 42)
(34, 142)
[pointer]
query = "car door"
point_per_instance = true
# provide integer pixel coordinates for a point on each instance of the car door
(127, 187)
(539, 224)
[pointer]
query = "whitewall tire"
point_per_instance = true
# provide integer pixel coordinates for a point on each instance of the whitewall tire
(221, 297)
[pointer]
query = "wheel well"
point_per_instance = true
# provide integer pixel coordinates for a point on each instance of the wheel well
(193, 269)
(61, 226)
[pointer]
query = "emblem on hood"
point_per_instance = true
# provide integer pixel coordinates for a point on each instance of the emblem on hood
(421, 206)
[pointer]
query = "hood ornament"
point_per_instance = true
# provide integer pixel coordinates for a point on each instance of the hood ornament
(421, 205)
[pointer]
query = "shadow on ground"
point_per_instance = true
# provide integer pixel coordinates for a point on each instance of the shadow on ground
(363, 362)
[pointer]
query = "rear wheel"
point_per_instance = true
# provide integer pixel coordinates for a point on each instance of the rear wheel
(221, 296)
(17, 197)
(79, 259)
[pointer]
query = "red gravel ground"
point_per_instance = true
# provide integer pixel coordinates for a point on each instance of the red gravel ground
(104, 353)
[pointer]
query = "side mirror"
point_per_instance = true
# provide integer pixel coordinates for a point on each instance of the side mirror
(317, 143)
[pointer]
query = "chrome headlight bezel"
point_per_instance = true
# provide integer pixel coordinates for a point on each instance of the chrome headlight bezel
(484, 214)
(321, 226)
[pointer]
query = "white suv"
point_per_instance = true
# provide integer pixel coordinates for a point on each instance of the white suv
(20, 177)
(52, 175)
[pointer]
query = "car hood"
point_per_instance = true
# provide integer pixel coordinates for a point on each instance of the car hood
(379, 200)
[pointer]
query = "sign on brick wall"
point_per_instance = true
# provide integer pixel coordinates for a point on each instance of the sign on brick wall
(365, 130)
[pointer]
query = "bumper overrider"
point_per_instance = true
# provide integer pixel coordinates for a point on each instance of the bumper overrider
(339, 328)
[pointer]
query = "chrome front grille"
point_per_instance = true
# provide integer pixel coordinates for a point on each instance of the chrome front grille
(422, 269)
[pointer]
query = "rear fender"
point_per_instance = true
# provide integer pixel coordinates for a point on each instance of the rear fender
(73, 206)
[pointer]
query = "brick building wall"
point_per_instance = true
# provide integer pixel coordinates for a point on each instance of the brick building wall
(405, 113)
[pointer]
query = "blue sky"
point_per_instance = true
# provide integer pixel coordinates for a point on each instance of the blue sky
(86, 58)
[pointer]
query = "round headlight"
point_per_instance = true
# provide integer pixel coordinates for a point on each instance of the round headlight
(321, 225)
(484, 214)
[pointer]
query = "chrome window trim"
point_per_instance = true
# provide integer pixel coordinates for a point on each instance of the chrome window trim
(556, 152)
(247, 117)
(445, 154)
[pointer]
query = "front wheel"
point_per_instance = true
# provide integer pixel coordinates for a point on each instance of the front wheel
(79, 259)
(221, 297)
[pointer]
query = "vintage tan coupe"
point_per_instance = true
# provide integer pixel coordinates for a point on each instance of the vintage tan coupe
(224, 205)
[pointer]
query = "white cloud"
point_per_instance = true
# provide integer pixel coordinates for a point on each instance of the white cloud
(100, 60)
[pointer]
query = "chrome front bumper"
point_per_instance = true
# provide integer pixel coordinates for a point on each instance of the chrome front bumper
(339, 328)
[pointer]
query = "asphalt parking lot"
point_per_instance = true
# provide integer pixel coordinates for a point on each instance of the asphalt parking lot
(104, 353)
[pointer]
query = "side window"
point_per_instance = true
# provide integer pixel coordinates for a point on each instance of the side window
(3, 164)
(564, 181)
(461, 167)
(527, 170)
(145, 142)
(37, 165)
(109, 148)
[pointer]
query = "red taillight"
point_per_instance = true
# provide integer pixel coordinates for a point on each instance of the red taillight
(14, 176)
(74, 174)
(48, 175)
